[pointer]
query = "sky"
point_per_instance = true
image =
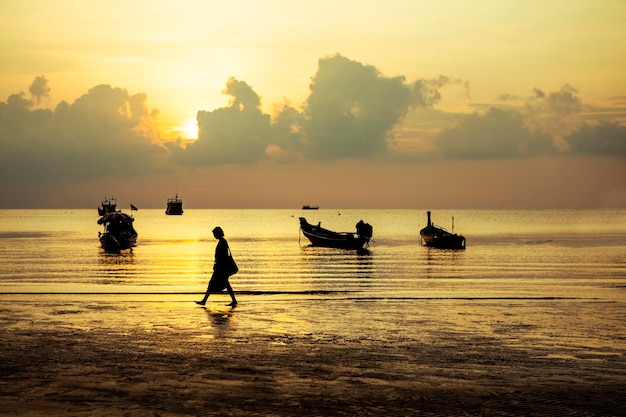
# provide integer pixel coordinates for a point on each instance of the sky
(276, 104)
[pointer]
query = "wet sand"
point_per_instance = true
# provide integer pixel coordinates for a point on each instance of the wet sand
(107, 355)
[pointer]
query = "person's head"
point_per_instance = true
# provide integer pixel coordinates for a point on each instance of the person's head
(218, 232)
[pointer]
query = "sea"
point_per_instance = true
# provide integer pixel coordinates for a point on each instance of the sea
(510, 254)
(528, 319)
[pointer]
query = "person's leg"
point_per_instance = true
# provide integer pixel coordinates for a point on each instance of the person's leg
(206, 295)
(232, 294)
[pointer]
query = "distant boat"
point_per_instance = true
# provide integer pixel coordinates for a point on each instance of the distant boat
(439, 237)
(174, 206)
(119, 232)
(309, 207)
(108, 205)
(318, 236)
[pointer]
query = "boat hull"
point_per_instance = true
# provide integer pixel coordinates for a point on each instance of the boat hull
(174, 209)
(119, 233)
(349, 241)
(174, 206)
(318, 236)
(111, 243)
(439, 238)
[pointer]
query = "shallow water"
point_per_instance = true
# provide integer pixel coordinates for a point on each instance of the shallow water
(510, 254)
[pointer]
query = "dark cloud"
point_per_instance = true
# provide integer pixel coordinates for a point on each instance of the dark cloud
(536, 127)
(352, 111)
(103, 132)
(427, 92)
(496, 134)
(508, 97)
(352, 108)
(564, 102)
(18, 102)
(605, 138)
(239, 133)
(555, 114)
(561, 103)
(287, 134)
(39, 89)
(538, 93)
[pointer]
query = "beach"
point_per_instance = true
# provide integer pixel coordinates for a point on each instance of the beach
(527, 321)
(109, 355)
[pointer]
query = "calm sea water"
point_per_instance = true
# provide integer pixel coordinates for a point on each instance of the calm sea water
(510, 254)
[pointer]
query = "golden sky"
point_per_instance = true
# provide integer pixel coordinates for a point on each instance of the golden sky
(295, 92)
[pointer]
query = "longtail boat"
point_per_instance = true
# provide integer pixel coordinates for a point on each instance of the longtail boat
(438, 237)
(319, 236)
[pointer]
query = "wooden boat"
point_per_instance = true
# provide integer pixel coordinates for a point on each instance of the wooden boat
(174, 206)
(439, 237)
(119, 232)
(318, 236)
(108, 205)
(309, 207)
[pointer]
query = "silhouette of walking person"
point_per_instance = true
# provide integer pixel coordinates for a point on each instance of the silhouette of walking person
(219, 279)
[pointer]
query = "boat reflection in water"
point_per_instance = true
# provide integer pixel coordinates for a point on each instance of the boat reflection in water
(438, 237)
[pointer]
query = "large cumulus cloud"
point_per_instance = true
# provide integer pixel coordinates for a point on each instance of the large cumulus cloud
(545, 123)
(239, 133)
(605, 138)
(105, 131)
(350, 113)
(496, 134)
(351, 109)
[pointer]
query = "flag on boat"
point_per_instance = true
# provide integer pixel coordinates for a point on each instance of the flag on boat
(133, 208)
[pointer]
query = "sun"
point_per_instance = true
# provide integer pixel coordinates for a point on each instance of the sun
(189, 129)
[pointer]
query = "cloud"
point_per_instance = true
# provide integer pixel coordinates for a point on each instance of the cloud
(352, 108)
(537, 126)
(605, 138)
(239, 133)
(557, 113)
(39, 89)
(426, 92)
(350, 112)
(496, 134)
(104, 132)
(287, 134)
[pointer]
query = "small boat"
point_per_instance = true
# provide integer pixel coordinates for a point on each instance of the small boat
(174, 206)
(309, 207)
(108, 205)
(119, 232)
(438, 237)
(318, 236)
